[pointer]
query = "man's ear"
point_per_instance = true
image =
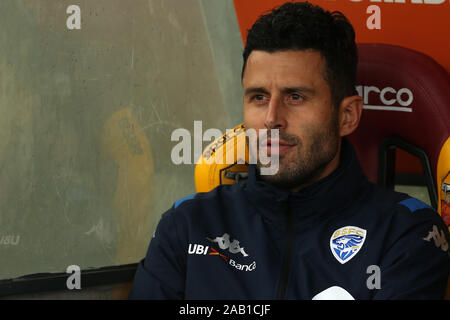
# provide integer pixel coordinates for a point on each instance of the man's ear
(350, 111)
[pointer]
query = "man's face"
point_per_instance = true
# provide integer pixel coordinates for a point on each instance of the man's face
(286, 90)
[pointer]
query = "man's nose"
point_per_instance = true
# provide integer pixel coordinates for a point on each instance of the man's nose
(275, 115)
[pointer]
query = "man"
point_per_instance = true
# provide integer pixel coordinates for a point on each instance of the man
(317, 229)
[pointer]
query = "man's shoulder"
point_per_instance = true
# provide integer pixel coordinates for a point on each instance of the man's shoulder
(406, 214)
(221, 201)
(412, 211)
(201, 210)
(202, 198)
(405, 204)
(390, 199)
(401, 209)
(414, 204)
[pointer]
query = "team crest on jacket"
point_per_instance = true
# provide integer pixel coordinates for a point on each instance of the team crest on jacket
(346, 242)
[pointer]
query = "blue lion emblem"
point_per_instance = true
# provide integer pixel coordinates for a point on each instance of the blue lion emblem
(345, 246)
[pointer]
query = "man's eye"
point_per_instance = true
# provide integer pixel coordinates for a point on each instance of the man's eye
(259, 98)
(295, 98)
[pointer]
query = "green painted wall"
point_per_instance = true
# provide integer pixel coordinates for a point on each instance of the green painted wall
(86, 118)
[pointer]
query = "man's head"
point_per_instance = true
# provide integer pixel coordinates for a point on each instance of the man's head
(299, 77)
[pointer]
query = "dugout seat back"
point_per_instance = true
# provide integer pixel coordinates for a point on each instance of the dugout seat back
(406, 105)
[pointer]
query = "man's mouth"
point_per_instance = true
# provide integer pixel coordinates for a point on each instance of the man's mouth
(283, 147)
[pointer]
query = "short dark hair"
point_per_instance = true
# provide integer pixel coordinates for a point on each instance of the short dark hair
(303, 26)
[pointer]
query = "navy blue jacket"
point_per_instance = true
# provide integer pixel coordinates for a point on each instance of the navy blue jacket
(342, 237)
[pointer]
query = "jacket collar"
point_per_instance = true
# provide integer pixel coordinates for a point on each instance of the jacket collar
(326, 196)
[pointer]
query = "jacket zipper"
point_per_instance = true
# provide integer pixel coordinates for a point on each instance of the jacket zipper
(287, 259)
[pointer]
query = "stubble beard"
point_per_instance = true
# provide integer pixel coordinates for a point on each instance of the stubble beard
(303, 165)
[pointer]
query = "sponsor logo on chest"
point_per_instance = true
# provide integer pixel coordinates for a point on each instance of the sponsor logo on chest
(224, 242)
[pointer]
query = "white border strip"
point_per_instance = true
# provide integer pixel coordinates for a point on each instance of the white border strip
(369, 107)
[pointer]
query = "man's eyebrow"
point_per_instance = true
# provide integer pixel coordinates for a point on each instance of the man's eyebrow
(302, 89)
(255, 90)
(305, 90)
